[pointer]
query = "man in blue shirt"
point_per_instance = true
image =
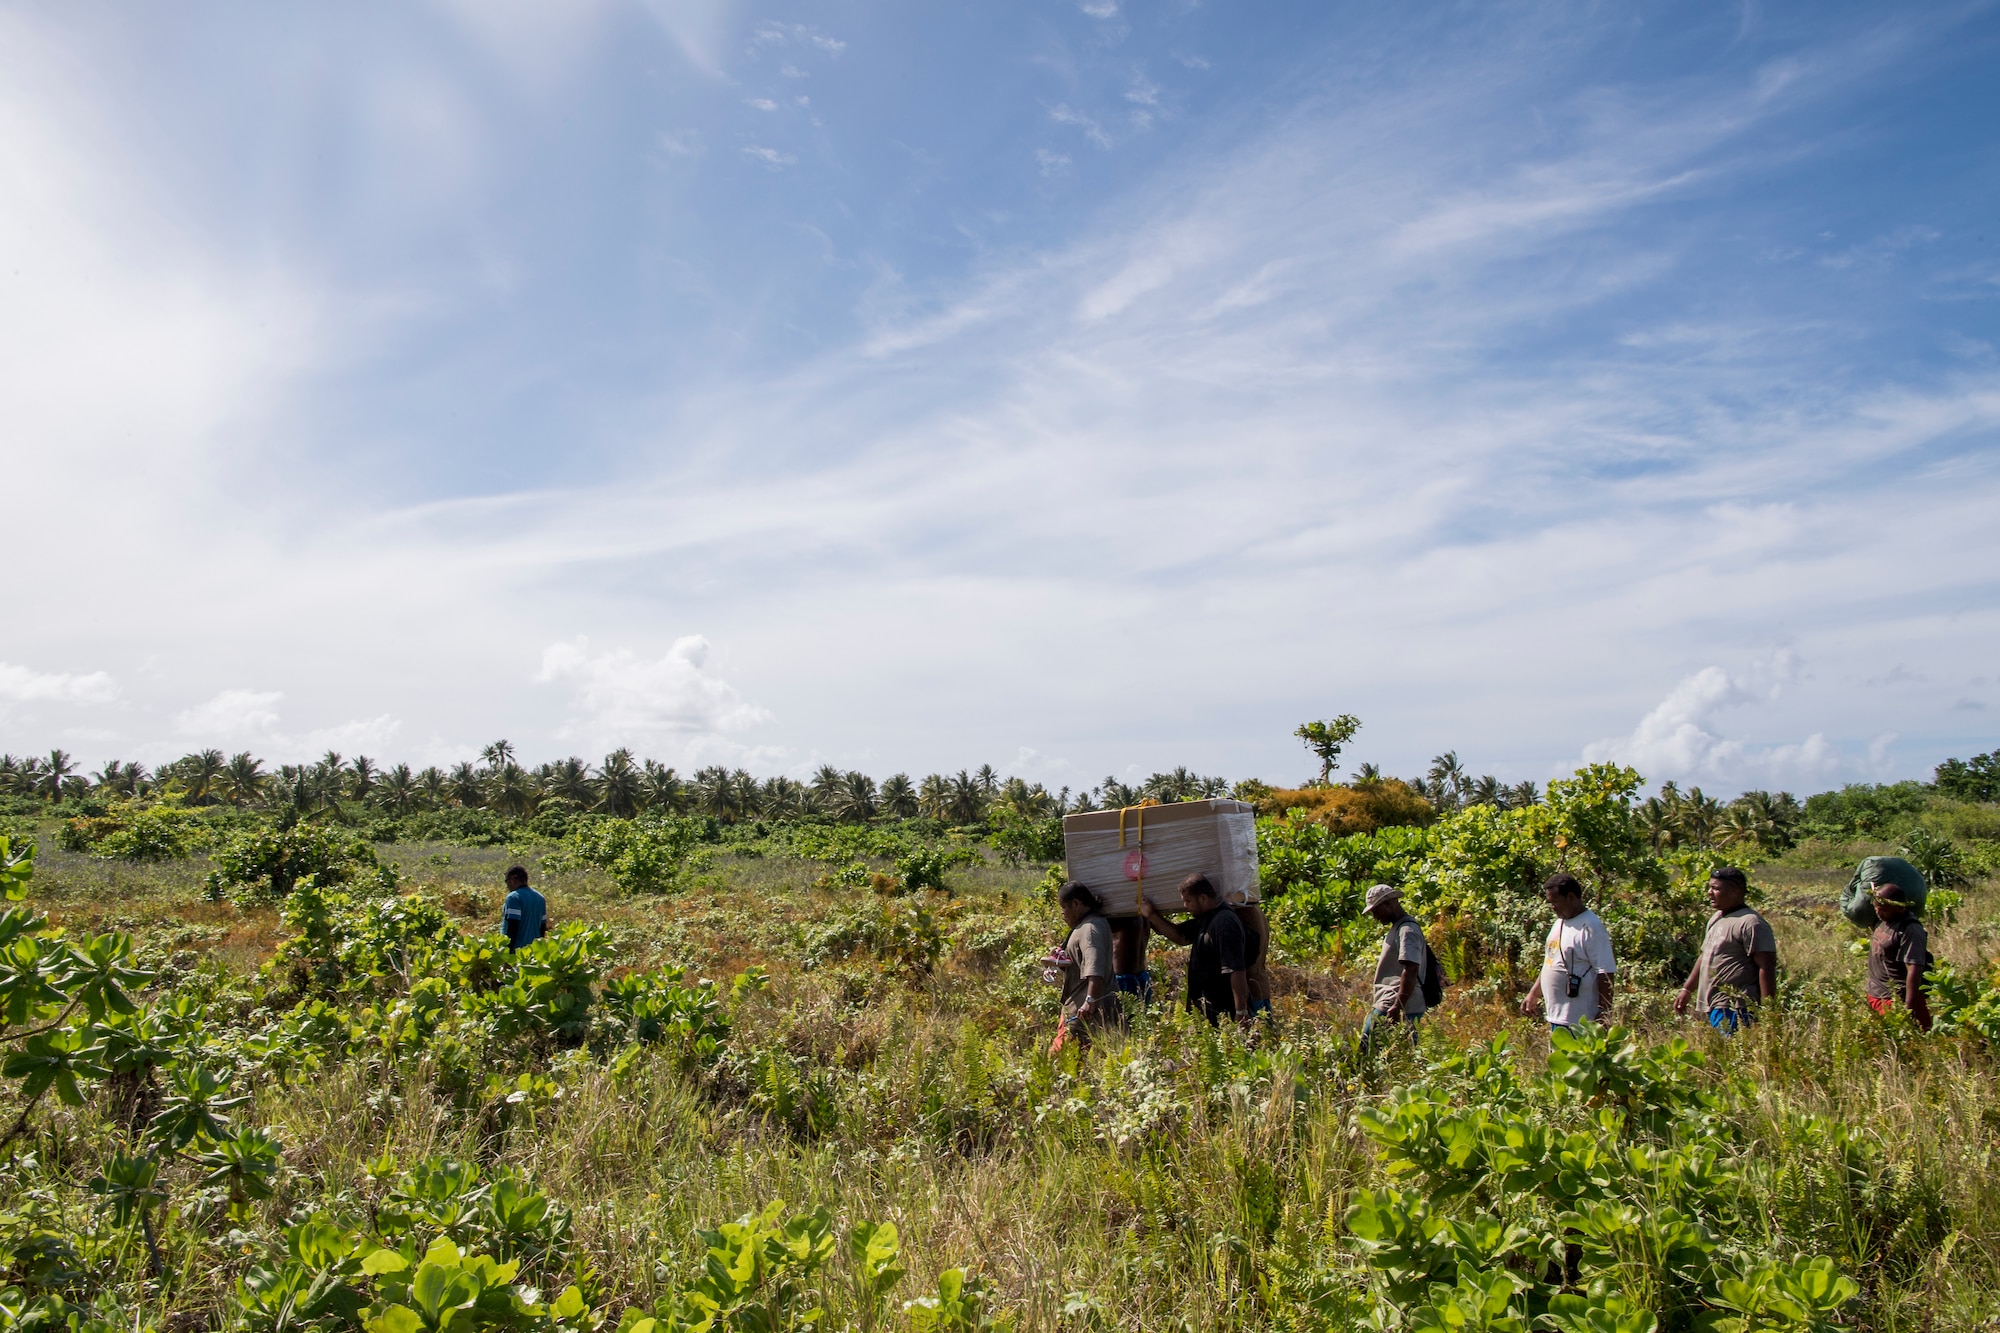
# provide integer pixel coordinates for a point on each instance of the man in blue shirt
(524, 918)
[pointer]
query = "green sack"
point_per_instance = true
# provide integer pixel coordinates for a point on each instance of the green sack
(1858, 905)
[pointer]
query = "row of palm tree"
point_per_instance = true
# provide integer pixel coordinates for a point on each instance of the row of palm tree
(1674, 819)
(1450, 786)
(621, 784)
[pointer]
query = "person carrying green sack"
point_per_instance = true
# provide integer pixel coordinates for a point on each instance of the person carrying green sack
(1898, 956)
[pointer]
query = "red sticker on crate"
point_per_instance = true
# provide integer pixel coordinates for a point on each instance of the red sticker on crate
(1135, 865)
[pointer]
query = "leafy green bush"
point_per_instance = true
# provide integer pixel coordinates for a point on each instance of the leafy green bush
(1020, 838)
(1605, 1195)
(1864, 810)
(1939, 859)
(166, 831)
(268, 863)
(654, 853)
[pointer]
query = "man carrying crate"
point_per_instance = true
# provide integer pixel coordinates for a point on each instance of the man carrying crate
(1219, 954)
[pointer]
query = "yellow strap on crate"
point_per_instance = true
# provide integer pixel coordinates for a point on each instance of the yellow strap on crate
(1139, 840)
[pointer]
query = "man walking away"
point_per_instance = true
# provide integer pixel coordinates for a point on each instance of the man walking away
(1399, 974)
(1577, 962)
(1088, 999)
(1218, 953)
(1739, 958)
(524, 917)
(1898, 957)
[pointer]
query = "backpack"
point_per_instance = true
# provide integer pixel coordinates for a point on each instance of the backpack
(1433, 978)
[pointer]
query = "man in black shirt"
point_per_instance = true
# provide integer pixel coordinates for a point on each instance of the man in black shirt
(1219, 954)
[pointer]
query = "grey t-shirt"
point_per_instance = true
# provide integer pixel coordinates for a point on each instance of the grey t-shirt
(1728, 958)
(1895, 948)
(1403, 944)
(1089, 950)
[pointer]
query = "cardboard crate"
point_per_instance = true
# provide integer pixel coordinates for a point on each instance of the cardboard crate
(1115, 852)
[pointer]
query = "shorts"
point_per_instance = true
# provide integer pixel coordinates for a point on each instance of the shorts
(1726, 1021)
(1880, 1005)
(1135, 983)
(1262, 1006)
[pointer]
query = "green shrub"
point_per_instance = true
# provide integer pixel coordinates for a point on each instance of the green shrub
(654, 853)
(267, 863)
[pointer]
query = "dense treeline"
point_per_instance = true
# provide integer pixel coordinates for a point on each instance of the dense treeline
(624, 785)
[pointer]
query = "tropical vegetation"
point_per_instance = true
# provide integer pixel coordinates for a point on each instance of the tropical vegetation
(783, 1061)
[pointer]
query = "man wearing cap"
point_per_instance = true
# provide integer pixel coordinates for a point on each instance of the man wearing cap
(1399, 974)
(1898, 956)
(1739, 957)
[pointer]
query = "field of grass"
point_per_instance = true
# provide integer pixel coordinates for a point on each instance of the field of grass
(894, 1069)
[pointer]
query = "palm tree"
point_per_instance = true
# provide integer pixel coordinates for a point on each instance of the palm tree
(1116, 795)
(127, 780)
(202, 775)
(1083, 802)
(855, 800)
(361, 775)
(1447, 781)
(934, 795)
(988, 780)
(899, 798)
(243, 779)
(465, 786)
(715, 792)
(1367, 775)
(1029, 802)
(511, 791)
(783, 798)
(498, 755)
(618, 784)
(966, 799)
(570, 779)
(435, 786)
(826, 785)
(398, 792)
(1487, 791)
(1696, 819)
(1168, 788)
(661, 788)
(293, 787)
(1524, 794)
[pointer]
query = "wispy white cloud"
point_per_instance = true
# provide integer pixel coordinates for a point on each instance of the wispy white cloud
(1093, 130)
(1387, 405)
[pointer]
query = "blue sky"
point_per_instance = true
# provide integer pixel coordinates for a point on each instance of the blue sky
(1080, 388)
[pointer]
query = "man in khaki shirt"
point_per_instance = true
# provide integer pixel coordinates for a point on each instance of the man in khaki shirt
(1739, 957)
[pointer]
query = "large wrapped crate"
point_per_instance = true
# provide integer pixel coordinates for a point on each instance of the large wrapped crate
(1118, 854)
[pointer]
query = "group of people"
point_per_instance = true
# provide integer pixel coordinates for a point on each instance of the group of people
(1104, 959)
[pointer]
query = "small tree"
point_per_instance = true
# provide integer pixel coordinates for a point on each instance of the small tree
(1325, 739)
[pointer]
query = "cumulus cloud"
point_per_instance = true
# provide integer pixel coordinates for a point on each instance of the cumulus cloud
(249, 718)
(232, 716)
(1681, 738)
(19, 684)
(620, 697)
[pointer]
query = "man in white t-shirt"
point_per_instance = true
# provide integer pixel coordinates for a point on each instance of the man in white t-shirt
(1577, 964)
